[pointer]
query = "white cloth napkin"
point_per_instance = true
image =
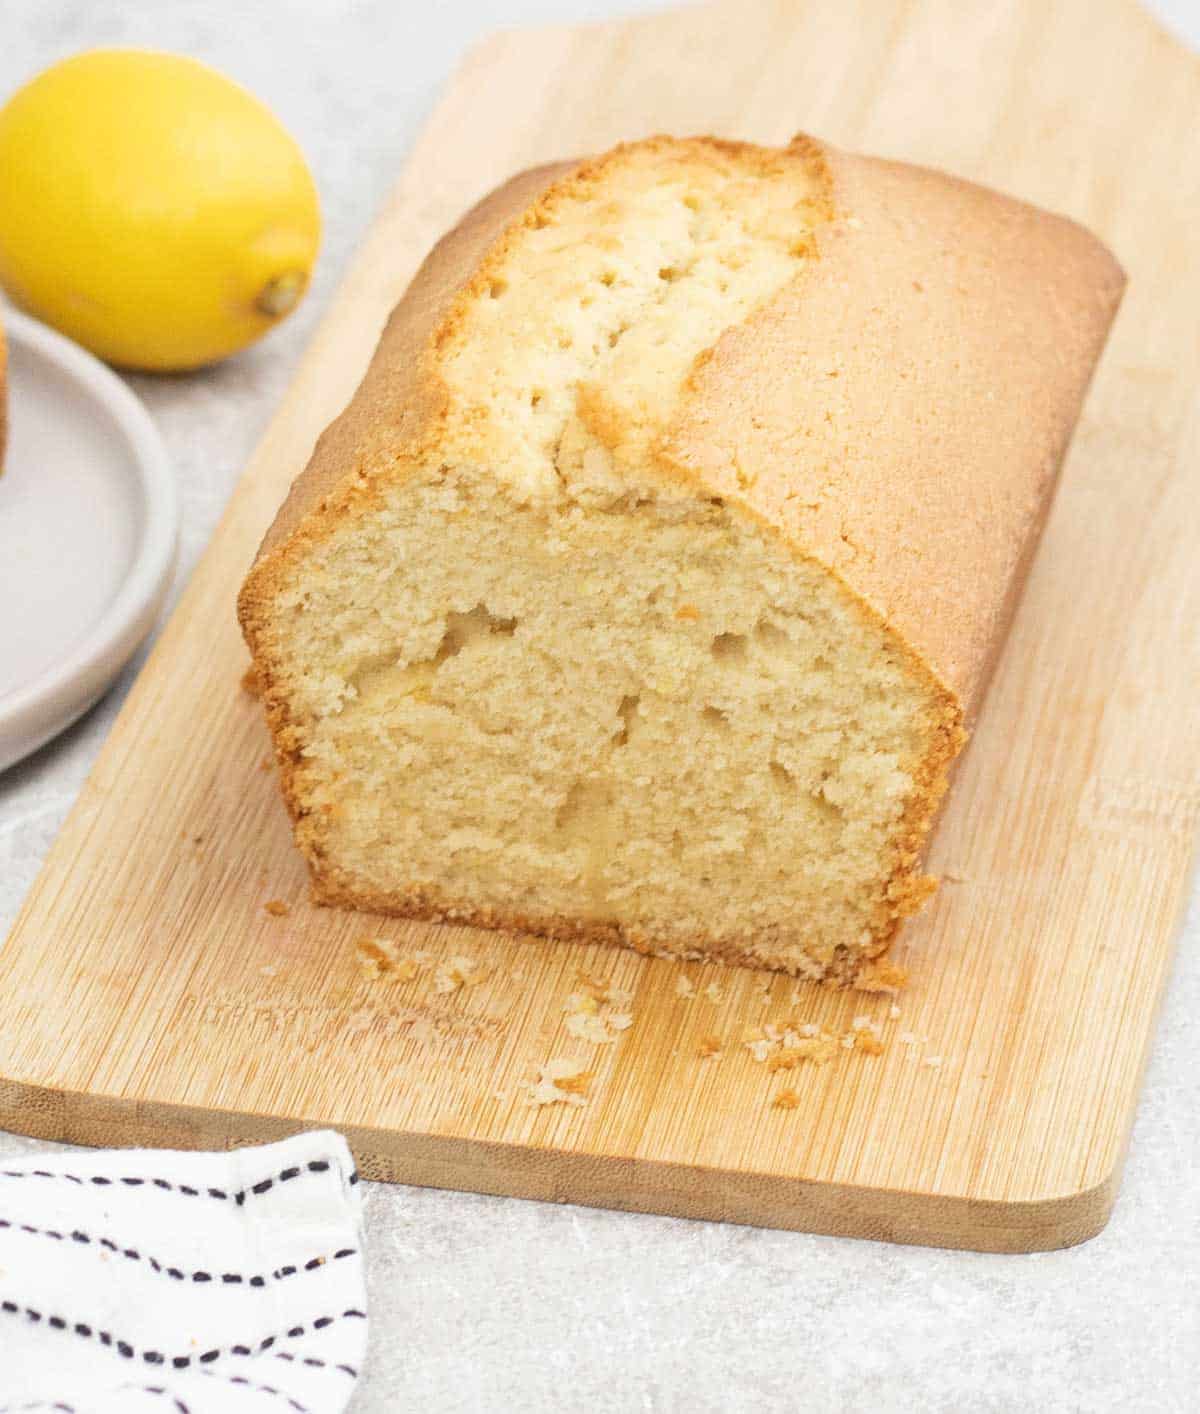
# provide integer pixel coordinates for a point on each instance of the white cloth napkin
(182, 1283)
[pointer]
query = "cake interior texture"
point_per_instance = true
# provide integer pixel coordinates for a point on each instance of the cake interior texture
(538, 679)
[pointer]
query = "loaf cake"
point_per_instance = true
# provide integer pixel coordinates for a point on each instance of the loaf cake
(647, 587)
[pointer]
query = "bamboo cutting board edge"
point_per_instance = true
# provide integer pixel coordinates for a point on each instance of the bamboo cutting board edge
(1140, 822)
(501, 1170)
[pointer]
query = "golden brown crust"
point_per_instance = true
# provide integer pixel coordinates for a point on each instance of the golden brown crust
(402, 398)
(900, 410)
(897, 413)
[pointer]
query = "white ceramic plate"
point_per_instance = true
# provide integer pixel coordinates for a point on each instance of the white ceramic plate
(88, 526)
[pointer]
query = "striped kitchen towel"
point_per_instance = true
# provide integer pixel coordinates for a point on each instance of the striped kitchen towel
(179, 1283)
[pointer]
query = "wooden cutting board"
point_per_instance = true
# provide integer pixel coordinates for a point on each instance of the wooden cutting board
(146, 996)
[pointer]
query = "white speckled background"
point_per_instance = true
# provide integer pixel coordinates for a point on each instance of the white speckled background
(487, 1304)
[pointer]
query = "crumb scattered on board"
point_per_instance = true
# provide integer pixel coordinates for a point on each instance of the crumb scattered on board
(560, 1082)
(686, 988)
(783, 1045)
(276, 908)
(788, 1044)
(597, 1011)
(380, 957)
(459, 972)
(819, 1050)
(881, 976)
(250, 683)
(601, 990)
(709, 1048)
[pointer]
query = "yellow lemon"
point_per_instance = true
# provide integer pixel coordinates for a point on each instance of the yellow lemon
(152, 209)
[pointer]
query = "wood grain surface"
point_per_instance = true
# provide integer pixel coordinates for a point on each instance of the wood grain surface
(147, 997)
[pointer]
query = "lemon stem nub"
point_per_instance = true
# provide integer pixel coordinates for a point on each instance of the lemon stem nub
(280, 295)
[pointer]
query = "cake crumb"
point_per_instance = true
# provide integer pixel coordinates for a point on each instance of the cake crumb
(869, 1043)
(575, 1084)
(687, 611)
(684, 987)
(276, 908)
(714, 994)
(881, 976)
(761, 1048)
(373, 959)
(586, 1027)
(819, 1050)
(380, 957)
(457, 973)
(590, 1017)
(250, 683)
(601, 990)
(709, 1047)
(894, 1012)
(271, 969)
(861, 1023)
(560, 1081)
(786, 1100)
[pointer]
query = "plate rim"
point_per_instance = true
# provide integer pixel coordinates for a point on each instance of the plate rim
(66, 689)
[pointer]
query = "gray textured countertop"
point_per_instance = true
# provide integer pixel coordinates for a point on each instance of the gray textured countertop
(489, 1304)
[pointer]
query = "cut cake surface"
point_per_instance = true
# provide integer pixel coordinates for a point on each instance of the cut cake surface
(646, 587)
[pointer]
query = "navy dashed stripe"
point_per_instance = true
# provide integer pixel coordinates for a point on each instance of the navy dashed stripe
(178, 1362)
(238, 1196)
(310, 1360)
(133, 1255)
(248, 1383)
(177, 1404)
(38, 1404)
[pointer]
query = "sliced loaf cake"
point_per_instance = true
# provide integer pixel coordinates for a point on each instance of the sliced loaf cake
(646, 586)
